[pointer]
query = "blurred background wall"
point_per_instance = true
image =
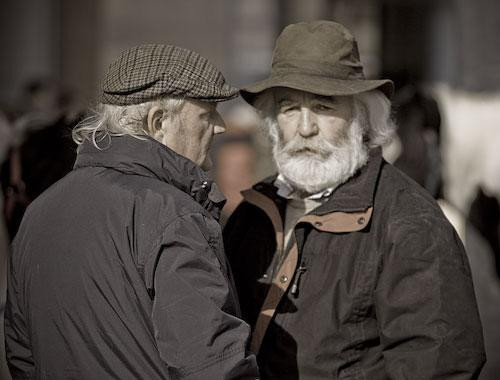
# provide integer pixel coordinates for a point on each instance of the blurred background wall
(450, 41)
(443, 55)
(450, 46)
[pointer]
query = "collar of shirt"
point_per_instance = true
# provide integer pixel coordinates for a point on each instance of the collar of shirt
(285, 190)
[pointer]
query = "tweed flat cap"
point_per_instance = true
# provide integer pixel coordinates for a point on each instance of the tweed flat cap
(145, 72)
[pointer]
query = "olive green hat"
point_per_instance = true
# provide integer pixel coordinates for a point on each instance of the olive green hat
(320, 57)
(145, 72)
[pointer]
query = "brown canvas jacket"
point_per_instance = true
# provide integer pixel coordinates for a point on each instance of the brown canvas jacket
(377, 286)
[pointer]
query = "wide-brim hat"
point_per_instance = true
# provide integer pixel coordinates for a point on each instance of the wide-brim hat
(319, 57)
(146, 72)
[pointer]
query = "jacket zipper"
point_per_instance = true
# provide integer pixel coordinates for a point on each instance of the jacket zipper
(294, 290)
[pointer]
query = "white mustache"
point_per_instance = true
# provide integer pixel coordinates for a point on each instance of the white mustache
(300, 145)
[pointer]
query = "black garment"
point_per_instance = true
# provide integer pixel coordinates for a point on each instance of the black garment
(392, 299)
(46, 154)
(118, 272)
(484, 215)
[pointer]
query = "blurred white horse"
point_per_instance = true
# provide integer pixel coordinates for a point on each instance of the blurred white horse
(470, 144)
(471, 157)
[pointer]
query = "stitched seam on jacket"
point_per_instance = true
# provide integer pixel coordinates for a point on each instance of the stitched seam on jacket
(161, 230)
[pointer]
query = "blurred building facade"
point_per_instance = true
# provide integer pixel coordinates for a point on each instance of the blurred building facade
(448, 41)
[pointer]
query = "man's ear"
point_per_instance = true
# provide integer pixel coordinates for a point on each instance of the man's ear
(155, 116)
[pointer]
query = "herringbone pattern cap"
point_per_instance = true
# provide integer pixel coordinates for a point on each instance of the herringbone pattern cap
(145, 72)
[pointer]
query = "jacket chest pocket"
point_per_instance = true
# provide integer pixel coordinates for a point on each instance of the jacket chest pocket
(342, 271)
(363, 287)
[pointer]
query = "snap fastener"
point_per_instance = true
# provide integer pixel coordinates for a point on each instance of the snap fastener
(204, 185)
(318, 224)
(265, 275)
(361, 220)
(283, 279)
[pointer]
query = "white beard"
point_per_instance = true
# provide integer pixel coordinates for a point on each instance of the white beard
(329, 167)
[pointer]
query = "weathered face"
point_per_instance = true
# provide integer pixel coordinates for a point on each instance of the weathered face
(304, 116)
(318, 140)
(190, 133)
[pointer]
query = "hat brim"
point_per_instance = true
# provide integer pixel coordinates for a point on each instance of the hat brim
(317, 84)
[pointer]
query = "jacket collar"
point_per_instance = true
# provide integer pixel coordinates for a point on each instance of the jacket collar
(357, 194)
(149, 158)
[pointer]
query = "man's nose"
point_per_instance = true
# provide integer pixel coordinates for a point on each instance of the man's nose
(219, 125)
(307, 123)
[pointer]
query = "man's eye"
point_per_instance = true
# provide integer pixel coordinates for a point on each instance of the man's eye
(289, 108)
(324, 107)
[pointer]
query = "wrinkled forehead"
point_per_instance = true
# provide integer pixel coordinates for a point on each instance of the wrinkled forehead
(283, 94)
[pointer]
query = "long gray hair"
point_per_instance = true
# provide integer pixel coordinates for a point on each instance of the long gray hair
(107, 120)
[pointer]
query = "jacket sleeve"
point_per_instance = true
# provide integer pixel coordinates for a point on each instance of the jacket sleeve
(17, 342)
(195, 309)
(425, 304)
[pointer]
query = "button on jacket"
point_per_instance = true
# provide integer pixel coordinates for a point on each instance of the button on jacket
(377, 285)
(118, 272)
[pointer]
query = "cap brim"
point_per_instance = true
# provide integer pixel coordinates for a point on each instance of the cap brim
(317, 84)
(228, 95)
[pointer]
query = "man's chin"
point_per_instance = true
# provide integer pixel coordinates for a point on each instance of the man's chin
(308, 177)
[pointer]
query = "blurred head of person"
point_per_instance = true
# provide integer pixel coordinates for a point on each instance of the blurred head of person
(165, 92)
(40, 95)
(235, 161)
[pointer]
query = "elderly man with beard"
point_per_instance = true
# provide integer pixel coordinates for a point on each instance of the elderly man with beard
(118, 270)
(344, 266)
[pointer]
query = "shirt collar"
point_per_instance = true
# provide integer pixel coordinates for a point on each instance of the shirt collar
(285, 190)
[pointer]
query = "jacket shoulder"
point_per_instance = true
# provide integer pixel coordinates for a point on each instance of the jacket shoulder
(410, 217)
(161, 198)
(402, 197)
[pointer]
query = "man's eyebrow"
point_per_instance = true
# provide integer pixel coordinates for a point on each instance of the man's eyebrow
(327, 99)
(285, 100)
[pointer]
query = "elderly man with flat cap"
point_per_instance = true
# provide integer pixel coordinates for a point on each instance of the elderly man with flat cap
(118, 270)
(345, 268)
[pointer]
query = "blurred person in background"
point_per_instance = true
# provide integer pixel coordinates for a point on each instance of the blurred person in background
(41, 150)
(235, 168)
(118, 270)
(6, 136)
(237, 156)
(418, 120)
(480, 230)
(484, 215)
(344, 266)
(419, 129)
